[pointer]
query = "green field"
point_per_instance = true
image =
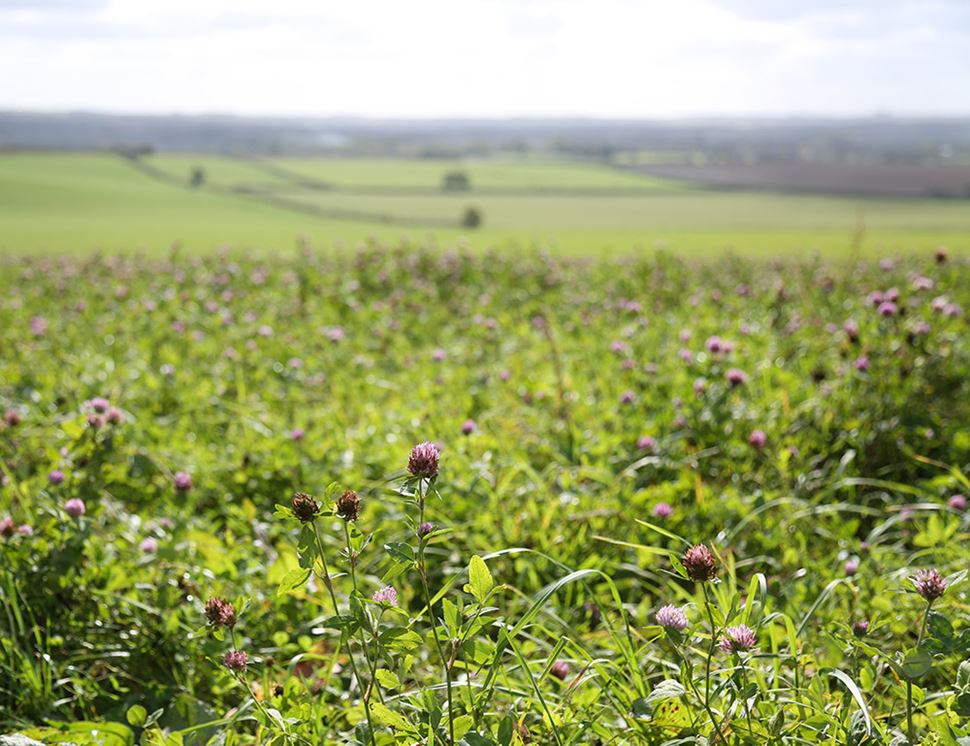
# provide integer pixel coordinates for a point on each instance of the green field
(79, 203)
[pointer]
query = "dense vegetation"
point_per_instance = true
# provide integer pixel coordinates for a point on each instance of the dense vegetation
(653, 502)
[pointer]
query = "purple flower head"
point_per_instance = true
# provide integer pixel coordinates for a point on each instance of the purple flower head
(297, 433)
(861, 363)
(700, 563)
(860, 627)
(468, 427)
(628, 397)
(386, 595)
(851, 567)
(74, 507)
(56, 477)
(99, 404)
(220, 612)
(7, 526)
(888, 308)
(25, 530)
(757, 439)
(737, 639)
(922, 283)
(647, 443)
(957, 502)
(929, 584)
(423, 461)
(424, 529)
(114, 415)
(95, 421)
(713, 345)
(851, 330)
(38, 326)
(148, 545)
(235, 660)
(736, 377)
(438, 355)
(12, 417)
(671, 617)
(663, 510)
(183, 481)
(559, 669)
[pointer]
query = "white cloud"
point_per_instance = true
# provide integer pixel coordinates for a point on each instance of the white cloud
(486, 57)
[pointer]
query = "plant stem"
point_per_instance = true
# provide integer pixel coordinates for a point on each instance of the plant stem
(422, 571)
(336, 610)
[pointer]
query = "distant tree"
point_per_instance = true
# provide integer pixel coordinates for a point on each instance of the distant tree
(197, 178)
(456, 181)
(471, 218)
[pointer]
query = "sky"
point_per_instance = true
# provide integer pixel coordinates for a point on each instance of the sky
(488, 58)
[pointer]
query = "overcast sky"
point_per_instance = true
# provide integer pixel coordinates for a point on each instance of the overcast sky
(493, 58)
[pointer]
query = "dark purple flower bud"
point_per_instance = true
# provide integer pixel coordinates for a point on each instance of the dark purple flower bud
(851, 567)
(700, 563)
(7, 526)
(757, 439)
(424, 529)
(183, 481)
(860, 627)
(348, 506)
(957, 502)
(305, 508)
(468, 427)
(736, 377)
(423, 461)
(560, 669)
(12, 417)
(56, 477)
(236, 660)
(220, 612)
(940, 255)
(929, 584)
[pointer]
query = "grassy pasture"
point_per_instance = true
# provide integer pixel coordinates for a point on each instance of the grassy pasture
(79, 203)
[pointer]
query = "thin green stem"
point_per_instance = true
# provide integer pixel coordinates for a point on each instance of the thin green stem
(422, 571)
(336, 610)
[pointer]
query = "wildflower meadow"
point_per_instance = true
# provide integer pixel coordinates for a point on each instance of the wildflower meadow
(404, 496)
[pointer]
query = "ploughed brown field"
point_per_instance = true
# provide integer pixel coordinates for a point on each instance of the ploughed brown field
(888, 180)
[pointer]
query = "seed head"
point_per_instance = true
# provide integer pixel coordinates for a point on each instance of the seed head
(423, 461)
(304, 507)
(220, 612)
(348, 506)
(929, 584)
(671, 617)
(737, 639)
(700, 563)
(235, 660)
